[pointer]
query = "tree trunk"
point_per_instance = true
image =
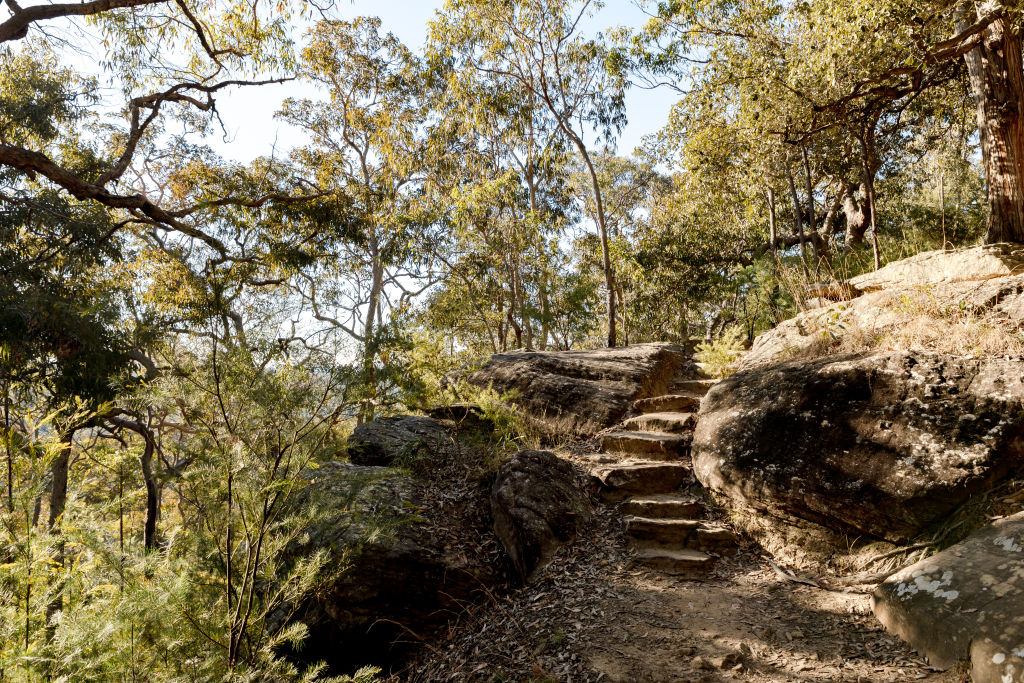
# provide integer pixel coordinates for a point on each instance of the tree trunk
(867, 141)
(602, 229)
(513, 304)
(942, 206)
(59, 481)
(828, 226)
(502, 327)
(152, 493)
(857, 213)
(516, 328)
(997, 80)
(148, 477)
(773, 230)
(622, 309)
(544, 313)
(366, 410)
(798, 228)
(812, 220)
(524, 315)
(58, 503)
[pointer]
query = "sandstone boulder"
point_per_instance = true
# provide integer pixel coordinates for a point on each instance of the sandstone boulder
(426, 566)
(896, 317)
(874, 446)
(938, 267)
(388, 441)
(584, 391)
(965, 603)
(538, 504)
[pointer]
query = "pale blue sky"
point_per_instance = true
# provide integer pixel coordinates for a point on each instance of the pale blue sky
(248, 113)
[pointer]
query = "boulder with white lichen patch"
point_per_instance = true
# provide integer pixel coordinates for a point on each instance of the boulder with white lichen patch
(964, 604)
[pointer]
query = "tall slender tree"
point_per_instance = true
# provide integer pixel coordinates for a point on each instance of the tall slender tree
(538, 46)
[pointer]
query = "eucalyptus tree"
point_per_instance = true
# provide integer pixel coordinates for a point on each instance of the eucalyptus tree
(505, 187)
(537, 47)
(167, 61)
(628, 186)
(859, 66)
(367, 143)
(84, 168)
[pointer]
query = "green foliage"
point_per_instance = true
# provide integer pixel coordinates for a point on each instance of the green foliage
(186, 338)
(719, 356)
(214, 602)
(497, 430)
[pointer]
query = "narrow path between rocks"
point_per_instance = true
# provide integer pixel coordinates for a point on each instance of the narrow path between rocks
(595, 614)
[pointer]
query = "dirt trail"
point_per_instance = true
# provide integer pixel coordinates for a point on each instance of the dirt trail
(596, 615)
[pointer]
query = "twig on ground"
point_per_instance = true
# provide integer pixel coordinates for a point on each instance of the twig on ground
(897, 551)
(793, 578)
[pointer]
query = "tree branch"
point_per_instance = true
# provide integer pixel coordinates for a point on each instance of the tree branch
(33, 163)
(17, 25)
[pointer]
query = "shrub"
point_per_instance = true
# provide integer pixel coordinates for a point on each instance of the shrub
(719, 357)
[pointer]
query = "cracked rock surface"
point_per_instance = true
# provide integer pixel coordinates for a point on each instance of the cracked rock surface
(584, 391)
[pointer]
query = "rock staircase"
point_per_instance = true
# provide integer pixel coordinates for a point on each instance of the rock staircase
(644, 464)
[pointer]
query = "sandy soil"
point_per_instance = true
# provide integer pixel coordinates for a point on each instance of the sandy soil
(595, 615)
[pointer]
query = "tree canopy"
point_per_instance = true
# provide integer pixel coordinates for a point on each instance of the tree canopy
(188, 329)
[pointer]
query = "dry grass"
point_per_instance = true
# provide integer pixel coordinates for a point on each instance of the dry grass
(971, 336)
(917, 320)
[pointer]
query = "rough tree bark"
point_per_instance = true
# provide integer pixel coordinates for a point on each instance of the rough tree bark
(857, 213)
(996, 73)
(773, 230)
(867, 141)
(59, 480)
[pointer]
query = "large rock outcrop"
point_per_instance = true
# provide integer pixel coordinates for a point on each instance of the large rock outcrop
(965, 603)
(409, 564)
(866, 446)
(931, 268)
(958, 302)
(539, 503)
(584, 391)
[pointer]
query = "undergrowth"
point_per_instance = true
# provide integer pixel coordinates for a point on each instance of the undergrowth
(916, 320)
(720, 356)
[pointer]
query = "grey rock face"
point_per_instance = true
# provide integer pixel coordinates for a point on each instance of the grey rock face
(387, 441)
(877, 446)
(965, 603)
(414, 578)
(538, 503)
(584, 390)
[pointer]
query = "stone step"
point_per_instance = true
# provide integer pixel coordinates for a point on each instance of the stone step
(696, 386)
(670, 422)
(644, 477)
(679, 533)
(651, 445)
(663, 506)
(684, 563)
(668, 402)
